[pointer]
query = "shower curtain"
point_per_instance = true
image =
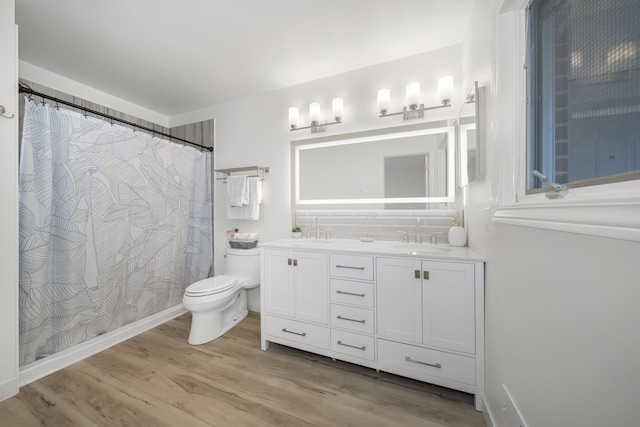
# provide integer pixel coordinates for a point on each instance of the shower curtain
(114, 224)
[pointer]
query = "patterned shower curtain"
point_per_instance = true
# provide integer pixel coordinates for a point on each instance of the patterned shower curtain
(114, 224)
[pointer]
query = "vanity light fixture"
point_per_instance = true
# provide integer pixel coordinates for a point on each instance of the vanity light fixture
(415, 109)
(314, 116)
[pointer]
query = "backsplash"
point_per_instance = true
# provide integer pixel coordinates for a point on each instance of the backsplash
(388, 225)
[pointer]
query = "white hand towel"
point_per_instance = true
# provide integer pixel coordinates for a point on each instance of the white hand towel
(252, 211)
(237, 191)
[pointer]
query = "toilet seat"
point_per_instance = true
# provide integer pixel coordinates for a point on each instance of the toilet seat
(210, 286)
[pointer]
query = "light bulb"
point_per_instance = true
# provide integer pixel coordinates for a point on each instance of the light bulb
(445, 89)
(294, 113)
(384, 100)
(314, 113)
(337, 108)
(413, 95)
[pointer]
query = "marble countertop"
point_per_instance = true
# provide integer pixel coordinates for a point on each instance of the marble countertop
(424, 250)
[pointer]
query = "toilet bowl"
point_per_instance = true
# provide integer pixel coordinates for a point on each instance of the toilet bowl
(219, 303)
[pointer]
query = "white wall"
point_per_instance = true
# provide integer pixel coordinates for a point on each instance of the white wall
(60, 83)
(255, 131)
(9, 197)
(562, 316)
(477, 52)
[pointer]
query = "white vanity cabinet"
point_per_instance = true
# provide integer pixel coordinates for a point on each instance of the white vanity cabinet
(295, 298)
(420, 317)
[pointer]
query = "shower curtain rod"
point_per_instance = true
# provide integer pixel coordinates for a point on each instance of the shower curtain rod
(26, 89)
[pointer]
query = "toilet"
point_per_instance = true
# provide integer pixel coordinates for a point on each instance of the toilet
(219, 303)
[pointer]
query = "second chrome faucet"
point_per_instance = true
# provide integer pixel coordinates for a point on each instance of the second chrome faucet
(418, 232)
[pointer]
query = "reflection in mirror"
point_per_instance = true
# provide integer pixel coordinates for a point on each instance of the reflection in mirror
(398, 168)
(469, 149)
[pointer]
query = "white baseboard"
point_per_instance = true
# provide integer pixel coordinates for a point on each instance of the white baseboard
(489, 420)
(8, 389)
(41, 368)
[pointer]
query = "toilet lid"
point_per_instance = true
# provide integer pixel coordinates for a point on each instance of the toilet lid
(211, 285)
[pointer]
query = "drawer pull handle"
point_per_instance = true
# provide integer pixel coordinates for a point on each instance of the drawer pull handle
(348, 266)
(350, 320)
(435, 365)
(350, 293)
(363, 348)
(303, 334)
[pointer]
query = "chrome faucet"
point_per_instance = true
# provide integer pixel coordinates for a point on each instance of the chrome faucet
(434, 237)
(316, 225)
(418, 233)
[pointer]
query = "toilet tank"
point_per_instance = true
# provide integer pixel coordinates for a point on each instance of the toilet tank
(243, 264)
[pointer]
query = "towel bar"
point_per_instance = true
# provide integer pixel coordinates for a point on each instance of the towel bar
(258, 171)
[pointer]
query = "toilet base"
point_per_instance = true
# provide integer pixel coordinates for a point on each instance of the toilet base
(209, 325)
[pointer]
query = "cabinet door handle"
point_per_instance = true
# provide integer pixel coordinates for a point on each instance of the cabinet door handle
(416, 274)
(302, 334)
(426, 275)
(350, 320)
(363, 348)
(348, 266)
(295, 262)
(350, 293)
(289, 261)
(435, 365)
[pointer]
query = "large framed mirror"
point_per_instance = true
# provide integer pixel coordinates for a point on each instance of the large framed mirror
(469, 163)
(407, 167)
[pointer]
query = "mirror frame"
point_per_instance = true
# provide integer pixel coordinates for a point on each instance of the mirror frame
(429, 128)
(463, 148)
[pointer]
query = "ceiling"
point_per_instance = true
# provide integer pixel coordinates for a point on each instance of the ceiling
(175, 57)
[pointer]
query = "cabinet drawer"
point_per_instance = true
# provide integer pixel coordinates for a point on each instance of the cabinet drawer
(422, 363)
(362, 346)
(351, 266)
(304, 333)
(350, 292)
(352, 318)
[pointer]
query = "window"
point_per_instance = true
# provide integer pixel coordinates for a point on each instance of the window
(583, 82)
(588, 87)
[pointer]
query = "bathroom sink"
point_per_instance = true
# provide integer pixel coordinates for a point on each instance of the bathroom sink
(417, 249)
(310, 242)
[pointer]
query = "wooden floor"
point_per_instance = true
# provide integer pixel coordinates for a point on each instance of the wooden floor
(157, 379)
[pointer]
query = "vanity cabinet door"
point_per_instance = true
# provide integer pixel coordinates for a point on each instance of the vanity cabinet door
(427, 302)
(448, 300)
(278, 286)
(297, 285)
(399, 299)
(311, 292)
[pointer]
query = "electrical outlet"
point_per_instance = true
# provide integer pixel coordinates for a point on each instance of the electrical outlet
(512, 417)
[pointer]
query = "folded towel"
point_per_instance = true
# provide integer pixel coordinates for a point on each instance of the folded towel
(246, 236)
(255, 198)
(237, 191)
